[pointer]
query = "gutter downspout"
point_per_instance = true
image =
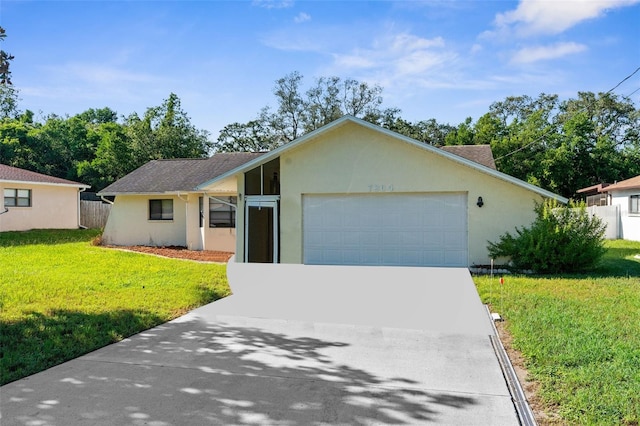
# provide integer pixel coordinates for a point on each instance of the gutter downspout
(80, 224)
(105, 200)
(6, 210)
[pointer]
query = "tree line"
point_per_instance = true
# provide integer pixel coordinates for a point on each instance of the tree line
(96, 147)
(558, 145)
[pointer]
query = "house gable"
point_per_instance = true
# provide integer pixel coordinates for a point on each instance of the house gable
(353, 121)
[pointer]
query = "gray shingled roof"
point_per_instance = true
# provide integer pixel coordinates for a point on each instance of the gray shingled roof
(185, 174)
(481, 154)
(15, 174)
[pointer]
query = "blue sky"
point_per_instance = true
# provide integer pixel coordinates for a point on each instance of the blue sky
(441, 59)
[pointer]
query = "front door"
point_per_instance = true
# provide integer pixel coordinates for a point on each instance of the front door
(261, 230)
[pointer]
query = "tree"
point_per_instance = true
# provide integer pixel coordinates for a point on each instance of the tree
(253, 136)
(428, 131)
(8, 101)
(165, 132)
(8, 94)
(16, 145)
(289, 119)
(98, 116)
(323, 104)
(62, 143)
(299, 113)
(113, 157)
(464, 134)
(5, 61)
(360, 99)
(564, 146)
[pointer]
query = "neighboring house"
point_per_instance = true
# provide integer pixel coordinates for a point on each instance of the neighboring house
(595, 195)
(36, 201)
(159, 204)
(626, 195)
(617, 205)
(354, 193)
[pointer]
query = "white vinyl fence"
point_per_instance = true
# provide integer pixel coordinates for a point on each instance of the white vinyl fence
(94, 214)
(609, 215)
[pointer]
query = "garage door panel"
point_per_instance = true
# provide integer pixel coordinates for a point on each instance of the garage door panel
(455, 239)
(433, 257)
(370, 238)
(386, 229)
(370, 257)
(431, 240)
(351, 239)
(410, 238)
(454, 258)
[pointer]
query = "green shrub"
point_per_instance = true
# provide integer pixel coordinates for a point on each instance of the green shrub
(561, 239)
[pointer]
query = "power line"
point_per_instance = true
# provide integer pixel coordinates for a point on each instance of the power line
(623, 80)
(542, 136)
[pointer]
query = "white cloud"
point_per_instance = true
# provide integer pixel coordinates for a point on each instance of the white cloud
(302, 17)
(401, 54)
(273, 4)
(553, 17)
(528, 55)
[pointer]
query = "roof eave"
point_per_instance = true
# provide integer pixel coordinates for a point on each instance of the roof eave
(622, 188)
(116, 193)
(31, 182)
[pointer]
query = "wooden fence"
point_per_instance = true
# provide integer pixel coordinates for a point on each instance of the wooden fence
(94, 214)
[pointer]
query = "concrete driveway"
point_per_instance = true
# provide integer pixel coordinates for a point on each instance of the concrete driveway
(294, 345)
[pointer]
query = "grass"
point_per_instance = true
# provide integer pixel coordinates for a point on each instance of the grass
(579, 335)
(62, 297)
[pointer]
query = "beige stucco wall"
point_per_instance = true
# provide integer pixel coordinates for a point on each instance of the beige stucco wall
(52, 206)
(352, 159)
(129, 223)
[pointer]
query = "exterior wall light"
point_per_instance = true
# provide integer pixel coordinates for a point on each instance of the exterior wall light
(480, 203)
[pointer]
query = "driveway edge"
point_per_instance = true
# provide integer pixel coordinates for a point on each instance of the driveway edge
(523, 410)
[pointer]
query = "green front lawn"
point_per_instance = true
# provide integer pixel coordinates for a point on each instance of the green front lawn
(61, 297)
(579, 335)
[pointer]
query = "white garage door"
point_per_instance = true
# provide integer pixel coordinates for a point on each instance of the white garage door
(385, 229)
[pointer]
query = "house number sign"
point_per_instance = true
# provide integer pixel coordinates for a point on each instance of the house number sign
(381, 188)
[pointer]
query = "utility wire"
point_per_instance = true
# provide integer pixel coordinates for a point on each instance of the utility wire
(542, 136)
(623, 80)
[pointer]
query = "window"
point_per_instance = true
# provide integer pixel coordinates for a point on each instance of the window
(634, 204)
(160, 209)
(222, 215)
(17, 197)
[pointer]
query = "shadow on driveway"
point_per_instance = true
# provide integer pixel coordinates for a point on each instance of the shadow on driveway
(194, 372)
